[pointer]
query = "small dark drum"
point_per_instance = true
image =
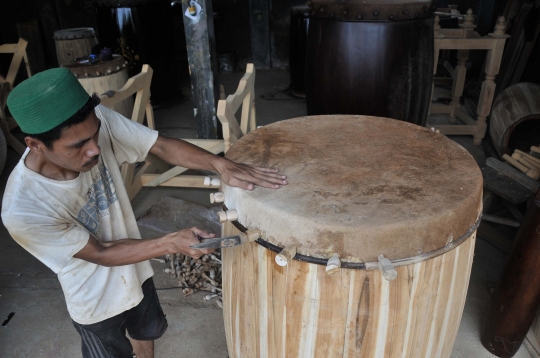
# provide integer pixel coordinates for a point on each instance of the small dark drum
(370, 57)
(297, 48)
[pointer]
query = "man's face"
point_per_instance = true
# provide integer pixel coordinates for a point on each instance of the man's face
(77, 149)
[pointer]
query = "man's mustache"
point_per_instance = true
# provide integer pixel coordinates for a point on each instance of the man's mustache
(91, 160)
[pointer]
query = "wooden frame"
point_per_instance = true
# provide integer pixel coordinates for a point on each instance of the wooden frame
(138, 85)
(245, 97)
(146, 175)
(7, 124)
(464, 40)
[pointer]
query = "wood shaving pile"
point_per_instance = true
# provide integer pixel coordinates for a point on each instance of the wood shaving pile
(203, 274)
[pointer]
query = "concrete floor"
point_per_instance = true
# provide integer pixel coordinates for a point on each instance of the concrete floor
(41, 327)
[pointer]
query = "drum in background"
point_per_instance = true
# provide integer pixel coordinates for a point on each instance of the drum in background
(142, 32)
(74, 43)
(297, 48)
(105, 76)
(359, 187)
(370, 57)
(515, 118)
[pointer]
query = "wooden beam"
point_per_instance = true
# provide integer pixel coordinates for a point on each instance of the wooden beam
(512, 173)
(437, 108)
(183, 181)
(483, 43)
(202, 58)
(455, 129)
(449, 68)
(499, 220)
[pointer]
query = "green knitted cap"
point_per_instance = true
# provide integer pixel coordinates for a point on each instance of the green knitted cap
(46, 99)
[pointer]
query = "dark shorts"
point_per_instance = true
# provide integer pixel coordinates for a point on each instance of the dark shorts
(107, 339)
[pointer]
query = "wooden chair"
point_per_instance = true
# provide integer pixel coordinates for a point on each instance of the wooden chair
(147, 175)
(232, 131)
(138, 85)
(245, 97)
(7, 124)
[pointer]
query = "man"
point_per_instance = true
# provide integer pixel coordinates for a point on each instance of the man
(65, 203)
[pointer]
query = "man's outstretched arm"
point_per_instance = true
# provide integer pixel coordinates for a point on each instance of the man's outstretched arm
(129, 251)
(182, 153)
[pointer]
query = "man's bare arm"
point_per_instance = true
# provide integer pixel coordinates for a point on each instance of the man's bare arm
(182, 153)
(130, 251)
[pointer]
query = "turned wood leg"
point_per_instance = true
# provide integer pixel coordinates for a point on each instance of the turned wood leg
(459, 82)
(493, 63)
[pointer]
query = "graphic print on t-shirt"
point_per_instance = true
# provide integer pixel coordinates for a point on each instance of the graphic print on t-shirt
(101, 195)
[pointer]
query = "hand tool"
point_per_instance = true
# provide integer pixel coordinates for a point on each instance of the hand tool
(229, 241)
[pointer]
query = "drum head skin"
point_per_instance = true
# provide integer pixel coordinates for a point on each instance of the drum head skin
(359, 186)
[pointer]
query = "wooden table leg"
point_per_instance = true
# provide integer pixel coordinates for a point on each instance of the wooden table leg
(458, 83)
(493, 64)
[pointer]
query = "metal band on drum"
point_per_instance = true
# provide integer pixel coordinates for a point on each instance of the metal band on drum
(98, 69)
(365, 265)
(360, 11)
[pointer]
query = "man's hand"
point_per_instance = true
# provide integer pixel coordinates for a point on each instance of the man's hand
(130, 251)
(179, 152)
(246, 176)
(181, 241)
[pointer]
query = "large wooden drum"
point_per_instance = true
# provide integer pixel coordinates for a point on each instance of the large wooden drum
(359, 187)
(105, 76)
(515, 118)
(370, 57)
(74, 43)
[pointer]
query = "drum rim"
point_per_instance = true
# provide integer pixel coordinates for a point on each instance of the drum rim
(368, 265)
(98, 69)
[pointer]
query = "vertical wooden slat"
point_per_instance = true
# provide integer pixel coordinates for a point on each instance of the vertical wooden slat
(400, 296)
(426, 300)
(357, 318)
(416, 274)
(466, 253)
(442, 300)
(332, 311)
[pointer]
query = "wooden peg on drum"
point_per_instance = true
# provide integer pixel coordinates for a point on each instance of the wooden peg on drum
(387, 269)
(531, 173)
(286, 255)
(217, 197)
(334, 265)
(212, 181)
(229, 215)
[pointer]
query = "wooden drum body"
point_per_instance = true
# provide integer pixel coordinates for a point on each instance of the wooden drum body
(515, 118)
(370, 57)
(105, 76)
(359, 187)
(300, 311)
(74, 43)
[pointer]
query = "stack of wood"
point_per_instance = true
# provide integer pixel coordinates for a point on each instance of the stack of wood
(526, 163)
(203, 274)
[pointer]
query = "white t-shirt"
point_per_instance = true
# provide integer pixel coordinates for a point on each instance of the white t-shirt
(52, 220)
